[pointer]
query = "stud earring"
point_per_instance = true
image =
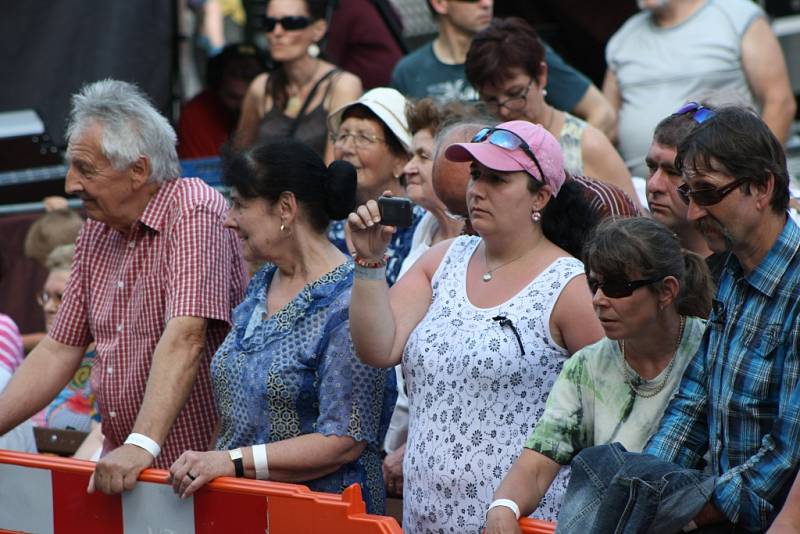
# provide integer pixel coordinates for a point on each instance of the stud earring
(536, 216)
(313, 50)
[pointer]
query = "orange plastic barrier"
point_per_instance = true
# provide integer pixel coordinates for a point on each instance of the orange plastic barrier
(536, 526)
(48, 495)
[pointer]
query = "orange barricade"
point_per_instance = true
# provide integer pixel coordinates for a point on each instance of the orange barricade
(536, 526)
(45, 494)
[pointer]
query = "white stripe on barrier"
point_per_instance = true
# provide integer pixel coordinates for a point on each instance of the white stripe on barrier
(28, 489)
(154, 509)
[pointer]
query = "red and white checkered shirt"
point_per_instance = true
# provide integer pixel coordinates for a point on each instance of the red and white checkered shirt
(179, 260)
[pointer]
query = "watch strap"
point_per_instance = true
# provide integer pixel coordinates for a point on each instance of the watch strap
(238, 464)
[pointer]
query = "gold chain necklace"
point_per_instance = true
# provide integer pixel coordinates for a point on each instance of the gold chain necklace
(630, 379)
(293, 104)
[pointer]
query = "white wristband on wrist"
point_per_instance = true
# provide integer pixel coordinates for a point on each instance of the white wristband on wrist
(143, 442)
(260, 461)
(508, 503)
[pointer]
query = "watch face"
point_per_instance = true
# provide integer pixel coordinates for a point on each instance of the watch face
(235, 454)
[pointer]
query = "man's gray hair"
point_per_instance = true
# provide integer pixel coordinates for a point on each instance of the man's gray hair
(132, 127)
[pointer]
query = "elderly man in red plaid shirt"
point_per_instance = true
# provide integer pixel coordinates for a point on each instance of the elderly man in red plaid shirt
(156, 275)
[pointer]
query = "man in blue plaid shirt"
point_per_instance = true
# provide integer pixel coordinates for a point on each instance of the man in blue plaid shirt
(728, 445)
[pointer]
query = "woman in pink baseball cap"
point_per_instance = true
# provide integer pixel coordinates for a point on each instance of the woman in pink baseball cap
(482, 324)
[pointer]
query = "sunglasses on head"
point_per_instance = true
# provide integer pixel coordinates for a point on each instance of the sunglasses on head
(700, 113)
(617, 289)
(707, 196)
(508, 140)
(290, 23)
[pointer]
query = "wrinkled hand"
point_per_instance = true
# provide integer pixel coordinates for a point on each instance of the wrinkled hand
(119, 470)
(393, 471)
(203, 466)
(501, 520)
(369, 237)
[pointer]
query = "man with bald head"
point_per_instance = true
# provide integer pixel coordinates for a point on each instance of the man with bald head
(449, 177)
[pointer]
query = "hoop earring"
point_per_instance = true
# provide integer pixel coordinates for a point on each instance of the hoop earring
(313, 50)
(536, 216)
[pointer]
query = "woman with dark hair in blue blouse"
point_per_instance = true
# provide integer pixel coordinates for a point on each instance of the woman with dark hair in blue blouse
(295, 403)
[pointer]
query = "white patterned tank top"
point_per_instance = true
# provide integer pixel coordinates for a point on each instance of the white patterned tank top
(473, 396)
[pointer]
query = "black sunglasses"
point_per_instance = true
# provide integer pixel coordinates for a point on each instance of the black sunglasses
(508, 140)
(617, 289)
(290, 23)
(707, 196)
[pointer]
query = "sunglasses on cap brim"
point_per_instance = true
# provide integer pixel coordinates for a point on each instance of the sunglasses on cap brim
(508, 140)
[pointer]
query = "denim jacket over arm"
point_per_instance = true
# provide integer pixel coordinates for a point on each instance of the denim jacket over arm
(739, 397)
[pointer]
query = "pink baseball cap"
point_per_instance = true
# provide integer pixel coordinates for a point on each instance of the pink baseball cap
(541, 143)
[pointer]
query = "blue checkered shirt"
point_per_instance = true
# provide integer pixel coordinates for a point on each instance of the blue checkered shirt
(739, 398)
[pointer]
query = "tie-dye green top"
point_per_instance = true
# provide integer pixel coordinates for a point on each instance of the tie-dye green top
(592, 404)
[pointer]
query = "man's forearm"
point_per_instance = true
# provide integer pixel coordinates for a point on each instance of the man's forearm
(35, 384)
(176, 361)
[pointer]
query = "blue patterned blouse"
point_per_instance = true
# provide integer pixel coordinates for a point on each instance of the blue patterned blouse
(296, 373)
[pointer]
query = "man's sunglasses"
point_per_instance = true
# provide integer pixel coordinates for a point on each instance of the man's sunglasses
(617, 289)
(700, 113)
(290, 23)
(707, 196)
(508, 140)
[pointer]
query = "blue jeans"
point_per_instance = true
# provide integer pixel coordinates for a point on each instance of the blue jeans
(615, 491)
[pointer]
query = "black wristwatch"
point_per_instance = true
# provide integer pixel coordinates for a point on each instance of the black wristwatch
(238, 464)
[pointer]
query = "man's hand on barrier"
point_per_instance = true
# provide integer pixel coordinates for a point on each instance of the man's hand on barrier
(119, 470)
(195, 469)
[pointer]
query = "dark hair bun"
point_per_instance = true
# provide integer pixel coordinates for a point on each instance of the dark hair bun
(340, 190)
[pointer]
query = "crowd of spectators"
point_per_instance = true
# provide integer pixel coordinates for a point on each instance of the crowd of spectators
(585, 310)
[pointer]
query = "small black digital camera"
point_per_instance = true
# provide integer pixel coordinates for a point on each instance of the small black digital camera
(395, 211)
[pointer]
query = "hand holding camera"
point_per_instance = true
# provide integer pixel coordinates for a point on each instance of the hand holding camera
(372, 224)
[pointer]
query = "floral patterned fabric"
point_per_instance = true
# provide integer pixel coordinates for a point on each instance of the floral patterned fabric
(473, 396)
(296, 373)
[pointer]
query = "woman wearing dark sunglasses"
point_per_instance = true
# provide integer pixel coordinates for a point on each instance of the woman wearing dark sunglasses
(482, 324)
(294, 99)
(650, 296)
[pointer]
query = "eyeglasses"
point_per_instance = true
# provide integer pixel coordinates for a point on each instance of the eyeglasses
(513, 103)
(360, 139)
(708, 196)
(44, 297)
(617, 289)
(700, 112)
(508, 140)
(290, 23)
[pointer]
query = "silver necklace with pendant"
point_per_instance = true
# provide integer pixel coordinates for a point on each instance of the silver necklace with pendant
(487, 276)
